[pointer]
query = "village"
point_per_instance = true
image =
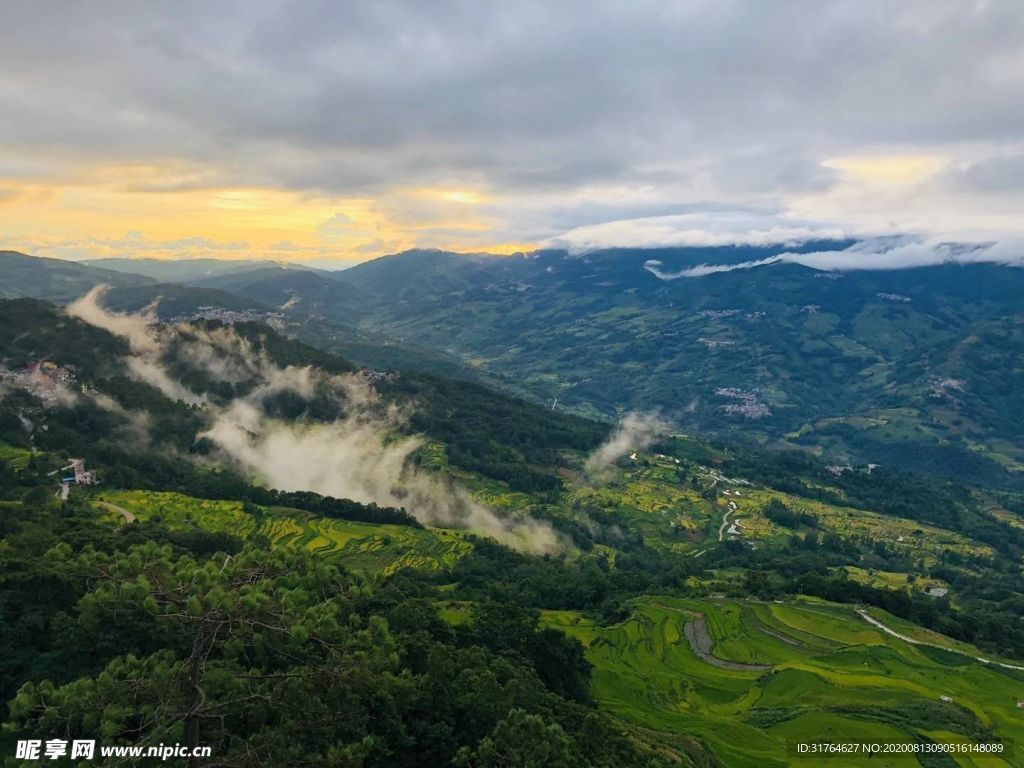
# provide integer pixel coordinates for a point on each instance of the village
(748, 406)
(231, 316)
(79, 476)
(46, 380)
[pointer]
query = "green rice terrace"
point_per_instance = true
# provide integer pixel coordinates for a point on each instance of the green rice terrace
(749, 677)
(671, 504)
(361, 546)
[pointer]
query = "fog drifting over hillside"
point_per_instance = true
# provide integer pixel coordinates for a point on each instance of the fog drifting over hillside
(364, 455)
(634, 432)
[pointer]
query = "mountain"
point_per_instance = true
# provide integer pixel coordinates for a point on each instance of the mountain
(453, 568)
(897, 366)
(173, 300)
(310, 304)
(179, 270)
(55, 279)
(322, 309)
(461, 567)
(64, 281)
(902, 367)
(314, 292)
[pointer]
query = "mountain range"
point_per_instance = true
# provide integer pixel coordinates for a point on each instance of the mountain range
(907, 367)
(454, 567)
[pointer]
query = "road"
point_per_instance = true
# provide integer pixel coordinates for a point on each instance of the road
(128, 516)
(907, 639)
(725, 522)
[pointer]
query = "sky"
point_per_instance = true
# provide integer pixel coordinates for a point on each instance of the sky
(334, 132)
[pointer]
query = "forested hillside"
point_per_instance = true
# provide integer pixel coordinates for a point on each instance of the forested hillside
(475, 580)
(898, 367)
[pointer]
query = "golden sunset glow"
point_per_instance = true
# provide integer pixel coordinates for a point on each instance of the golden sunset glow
(368, 133)
(889, 169)
(147, 211)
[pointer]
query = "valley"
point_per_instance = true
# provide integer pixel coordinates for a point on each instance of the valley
(708, 602)
(512, 385)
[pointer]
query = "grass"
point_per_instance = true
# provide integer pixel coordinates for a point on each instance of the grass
(361, 546)
(16, 457)
(665, 502)
(832, 676)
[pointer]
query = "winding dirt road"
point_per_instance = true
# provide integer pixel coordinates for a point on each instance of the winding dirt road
(907, 639)
(725, 522)
(128, 516)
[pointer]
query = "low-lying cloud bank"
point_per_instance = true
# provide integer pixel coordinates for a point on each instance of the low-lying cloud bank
(363, 455)
(701, 229)
(143, 363)
(716, 228)
(871, 254)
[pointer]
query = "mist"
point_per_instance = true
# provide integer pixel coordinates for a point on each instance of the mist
(364, 455)
(143, 339)
(135, 328)
(635, 432)
(696, 229)
(872, 254)
(654, 267)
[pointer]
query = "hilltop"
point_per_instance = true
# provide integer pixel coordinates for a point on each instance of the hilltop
(55, 279)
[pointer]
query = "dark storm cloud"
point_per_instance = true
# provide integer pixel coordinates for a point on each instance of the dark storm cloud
(742, 100)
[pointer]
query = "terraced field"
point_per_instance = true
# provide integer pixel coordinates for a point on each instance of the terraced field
(16, 457)
(803, 670)
(366, 546)
(667, 503)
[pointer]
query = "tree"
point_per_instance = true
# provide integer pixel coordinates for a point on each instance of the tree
(520, 740)
(264, 660)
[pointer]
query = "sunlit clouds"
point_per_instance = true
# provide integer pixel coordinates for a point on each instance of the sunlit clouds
(139, 211)
(332, 133)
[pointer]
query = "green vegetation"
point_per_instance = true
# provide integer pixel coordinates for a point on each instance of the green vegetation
(903, 368)
(702, 605)
(828, 673)
(360, 546)
(277, 656)
(15, 458)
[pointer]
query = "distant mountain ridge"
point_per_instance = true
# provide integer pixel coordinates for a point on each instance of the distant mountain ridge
(182, 270)
(906, 367)
(55, 279)
(889, 366)
(317, 302)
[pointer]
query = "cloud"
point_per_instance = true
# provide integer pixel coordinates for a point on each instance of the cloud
(870, 254)
(365, 455)
(634, 432)
(360, 457)
(136, 328)
(701, 270)
(991, 175)
(564, 115)
(143, 364)
(138, 422)
(906, 253)
(700, 229)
